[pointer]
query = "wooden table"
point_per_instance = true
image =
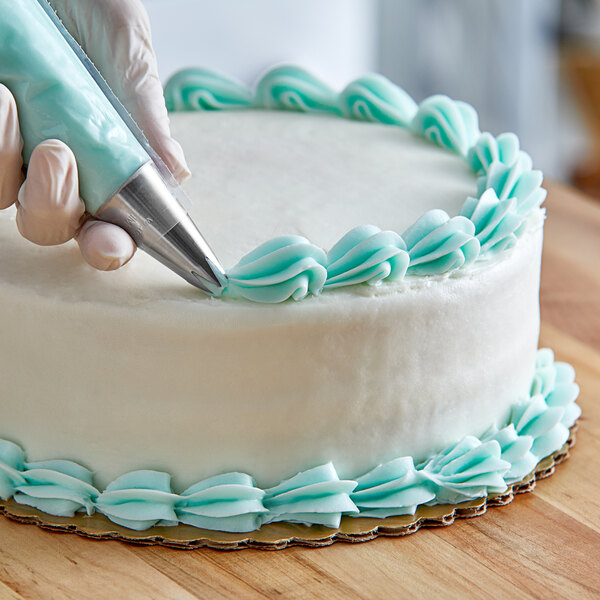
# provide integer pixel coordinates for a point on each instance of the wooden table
(543, 545)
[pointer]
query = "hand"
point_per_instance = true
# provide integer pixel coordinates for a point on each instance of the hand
(115, 34)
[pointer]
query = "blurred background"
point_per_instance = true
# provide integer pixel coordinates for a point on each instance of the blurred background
(528, 66)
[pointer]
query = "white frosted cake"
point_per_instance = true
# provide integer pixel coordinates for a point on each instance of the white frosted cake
(378, 336)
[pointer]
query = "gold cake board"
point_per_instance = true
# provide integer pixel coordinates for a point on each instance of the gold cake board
(276, 536)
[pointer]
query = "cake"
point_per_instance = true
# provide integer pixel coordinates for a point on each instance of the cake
(376, 348)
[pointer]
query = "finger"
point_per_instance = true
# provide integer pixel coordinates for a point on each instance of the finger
(11, 146)
(147, 107)
(49, 210)
(105, 246)
(116, 36)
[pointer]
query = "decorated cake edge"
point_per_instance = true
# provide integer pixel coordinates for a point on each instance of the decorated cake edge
(509, 192)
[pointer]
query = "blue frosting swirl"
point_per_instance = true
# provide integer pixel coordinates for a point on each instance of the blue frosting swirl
(394, 488)
(292, 88)
(549, 412)
(200, 89)
(12, 464)
(313, 497)
(448, 123)
(366, 254)
(139, 500)
(229, 502)
(439, 244)
(469, 469)
(543, 423)
(375, 98)
(564, 391)
(514, 449)
(59, 487)
(284, 267)
(489, 149)
(497, 222)
(516, 181)
(539, 425)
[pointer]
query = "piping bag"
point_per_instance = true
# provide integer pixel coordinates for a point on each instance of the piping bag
(122, 180)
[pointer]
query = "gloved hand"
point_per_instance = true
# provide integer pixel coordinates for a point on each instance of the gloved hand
(115, 34)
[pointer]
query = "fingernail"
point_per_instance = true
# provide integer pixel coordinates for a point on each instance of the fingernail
(175, 160)
(9, 122)
(184, 172)
(11, 146)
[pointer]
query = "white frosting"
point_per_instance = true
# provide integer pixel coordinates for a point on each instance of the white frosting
(261, 174)
(136, 369)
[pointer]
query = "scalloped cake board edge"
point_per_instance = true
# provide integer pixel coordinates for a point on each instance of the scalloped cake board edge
(277, 536)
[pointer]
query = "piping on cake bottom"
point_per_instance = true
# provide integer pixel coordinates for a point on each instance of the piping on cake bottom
(277, 536)
(470, 469)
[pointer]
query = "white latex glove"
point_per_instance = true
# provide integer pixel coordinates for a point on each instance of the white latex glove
(116, 36)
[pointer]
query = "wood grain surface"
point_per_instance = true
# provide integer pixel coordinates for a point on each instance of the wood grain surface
(543, 545)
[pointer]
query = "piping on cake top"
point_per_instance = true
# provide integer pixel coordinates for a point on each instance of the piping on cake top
(509, 192)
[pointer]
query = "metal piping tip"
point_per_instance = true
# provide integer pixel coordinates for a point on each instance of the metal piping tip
(185, 251)
(159, 225)
(214, 280)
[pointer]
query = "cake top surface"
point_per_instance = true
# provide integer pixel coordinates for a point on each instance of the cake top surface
(261, 174)
(274, 190)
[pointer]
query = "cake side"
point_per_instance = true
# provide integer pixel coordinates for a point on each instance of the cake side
(352, 378)
(472, 468)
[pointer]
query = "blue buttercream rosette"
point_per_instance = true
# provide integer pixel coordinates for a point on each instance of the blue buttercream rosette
(448, 123)
(564, 394)
(489, 149)
(139, 500)
(313, 497)
(438, 244)
(467, 470)
(228, 502)
(543, 423)
(12, 464)
(393, 488)
(514, 449)
(284, 267)
(58, 487)
(366, 255)
(517, 181)
(551, 410)
(497, 222)
(200, 89)
(375, 98)
(293, 88)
